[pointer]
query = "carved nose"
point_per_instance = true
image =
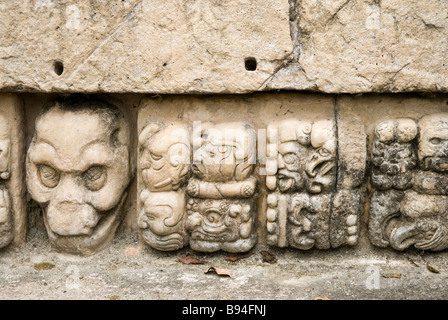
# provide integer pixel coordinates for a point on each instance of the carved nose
(280, 162)
(68, 190)
(402, 237)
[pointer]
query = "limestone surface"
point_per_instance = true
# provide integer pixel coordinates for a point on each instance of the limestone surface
(142, 45)
(357, 46)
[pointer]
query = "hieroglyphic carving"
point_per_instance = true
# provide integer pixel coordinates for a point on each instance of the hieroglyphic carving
(165, 167)
(301, 176)
(78, 168)
(221, 208)
(409, 206)
(212, 210)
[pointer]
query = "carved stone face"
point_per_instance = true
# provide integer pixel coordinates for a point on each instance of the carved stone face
(423, 223)
(224, 152)
(78, 165)
(217, 220)
(161, 219)
(433, 143)
(290, 166)
(166, 156)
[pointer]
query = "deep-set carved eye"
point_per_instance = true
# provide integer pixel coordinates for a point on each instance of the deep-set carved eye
(48, 176)
(155, 157)
(95, 178)
(435, 141)
(290, 158)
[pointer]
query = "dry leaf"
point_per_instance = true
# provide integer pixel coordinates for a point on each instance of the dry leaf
(320, 298)
(219, 271)
(237, 256)
(412, 261)
(190, 260)
(392, 275)
(44, 266)
(268, 257)
(432, 269)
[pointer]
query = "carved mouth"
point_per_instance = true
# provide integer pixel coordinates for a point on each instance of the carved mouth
(168, 242)
(285, 181)
(202, 235)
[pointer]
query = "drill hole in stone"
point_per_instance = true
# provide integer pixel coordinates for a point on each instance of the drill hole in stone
(250, 64)
(58, 67)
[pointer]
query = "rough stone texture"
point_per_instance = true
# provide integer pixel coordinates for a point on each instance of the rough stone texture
(357, 46)
(127, 271)
(332, 46)
(142, 45)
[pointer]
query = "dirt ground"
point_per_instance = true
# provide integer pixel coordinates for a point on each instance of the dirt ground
(130, 271)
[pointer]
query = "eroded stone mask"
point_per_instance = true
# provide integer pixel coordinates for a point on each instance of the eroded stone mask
(78, 167)
(165, 159)
(433, 142)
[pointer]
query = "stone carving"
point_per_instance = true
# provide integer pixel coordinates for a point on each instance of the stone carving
(6, 226)
(78, 168)
(301, 177)
(214, 208)
(221, 208)
(165, 167)
(409, 205)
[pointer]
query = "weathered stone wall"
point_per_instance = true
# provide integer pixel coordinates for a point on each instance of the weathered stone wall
(332, 46)
(224, 125)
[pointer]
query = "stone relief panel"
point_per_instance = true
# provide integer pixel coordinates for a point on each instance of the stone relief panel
(78, 169)
(409, 203)
(301, 168)
(221, 206)
(164, 167)
(290, 174)
(198, 186)
(313, 180)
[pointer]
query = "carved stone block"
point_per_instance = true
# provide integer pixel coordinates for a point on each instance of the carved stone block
(409, 206)
(212, 210)
(78, 168)
(164, 167)
(224, 158)
(314, 172)
(301, 168)
(12, 189)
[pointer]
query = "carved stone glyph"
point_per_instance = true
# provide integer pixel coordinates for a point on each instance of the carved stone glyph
(221, 208)
(212, 208)
(78, 168)
(409, 205)
(315, 170)
(301, 168)
(165, 168)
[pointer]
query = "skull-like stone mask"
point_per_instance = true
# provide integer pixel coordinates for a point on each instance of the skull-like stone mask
(78, 167)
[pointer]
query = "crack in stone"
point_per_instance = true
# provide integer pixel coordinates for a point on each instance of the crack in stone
(125, 18)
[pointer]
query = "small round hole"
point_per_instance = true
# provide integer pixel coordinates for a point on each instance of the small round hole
(58, 67)
(250, 64)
